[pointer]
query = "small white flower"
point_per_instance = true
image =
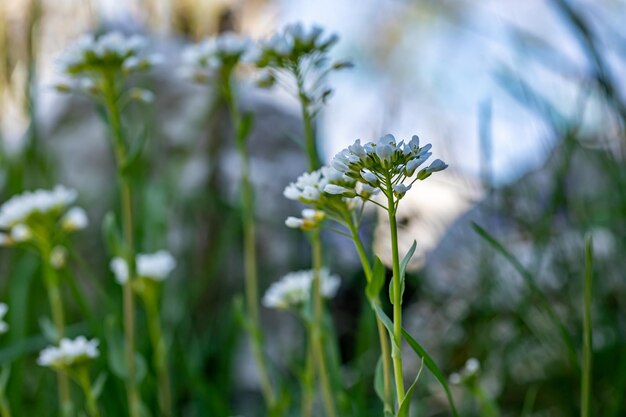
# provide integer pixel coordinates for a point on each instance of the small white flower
(455, 378)
(313, 215)
(58, 257)
(294, 222)
(69, 352)
(338, 190)
(119, 267)
(4, 327)
(401, 189)
(471, 367)
(21, 233)
(294, 289)
(157, 266)
(75, 219)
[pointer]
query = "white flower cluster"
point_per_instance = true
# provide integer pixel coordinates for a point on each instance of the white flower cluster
(386, 164)
(319, 188)
(155, 266)
(471, 368)
(69, 353)
(40, 208)
(292, 43)
(4, 327)
(294, 289)
(201, 62)
(111, 51)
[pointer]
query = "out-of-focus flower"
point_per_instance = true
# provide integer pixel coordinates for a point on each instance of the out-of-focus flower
(21, 233)
(310, 220)
(119, 267)
(386, 164)
(216, 56)
(111, 51)
(471, 368)
(294, 289)
(58, 257)
(300, 55)
(155, 266)
(20, 208)
(4, 327)
(75, 219)
(69, 353)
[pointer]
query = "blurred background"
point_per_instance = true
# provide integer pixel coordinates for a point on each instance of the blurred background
(526, 101)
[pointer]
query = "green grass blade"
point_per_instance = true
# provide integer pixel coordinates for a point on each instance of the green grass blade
(587, 347)
(536, 291)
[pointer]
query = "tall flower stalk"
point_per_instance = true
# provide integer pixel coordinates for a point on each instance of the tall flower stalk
(390, 167)
(297, 58)
(215, 61)
(41, 220)
(71, 357)
(99, 67)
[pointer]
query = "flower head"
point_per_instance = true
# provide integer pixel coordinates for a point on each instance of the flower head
(4, 327)
(219, 54)
(386, 164)
(69, 353)
(40, 217)
(303, 54)
(471, 368)
(294, 289)
(154, 266)
(112, 51)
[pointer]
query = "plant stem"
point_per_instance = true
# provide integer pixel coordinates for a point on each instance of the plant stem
(309, 136)
(308, 381)
(382, 331)
(317, 334)
(587, 342)
(56, 305)
(85, 383)
(159, 346)
(396, 351)
(113, 113)
(250, 257)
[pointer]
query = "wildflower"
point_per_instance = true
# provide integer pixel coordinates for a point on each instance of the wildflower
(471, 368)
(20, 208)
(294, 289)
(303, 55)
(294, 222)
(111, 52)
(4, 327)
(214, 56)
(310, 220)
(386, 165)
(69, 353)
(155, 266)
(75, 219)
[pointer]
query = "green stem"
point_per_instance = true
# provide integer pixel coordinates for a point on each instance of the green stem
(382, 331)
(396, 351)
(309, 136)
(308, 381)
(56, 305)
(113, 113)
(85, 383)
(250, 257)
(587, 342)
(157, 340)
(317, 327)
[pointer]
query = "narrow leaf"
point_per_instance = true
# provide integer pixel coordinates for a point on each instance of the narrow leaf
(403, 411)
(378, 280)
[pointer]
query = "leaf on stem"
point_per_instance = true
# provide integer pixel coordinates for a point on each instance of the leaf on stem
(378, 280)
(403, 411)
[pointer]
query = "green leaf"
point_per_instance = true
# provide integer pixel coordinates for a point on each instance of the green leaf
(98, 384)
(432, 367)
(378, 380)
(378, 280)
(403, 410)
(112, 236)
(406, 259)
